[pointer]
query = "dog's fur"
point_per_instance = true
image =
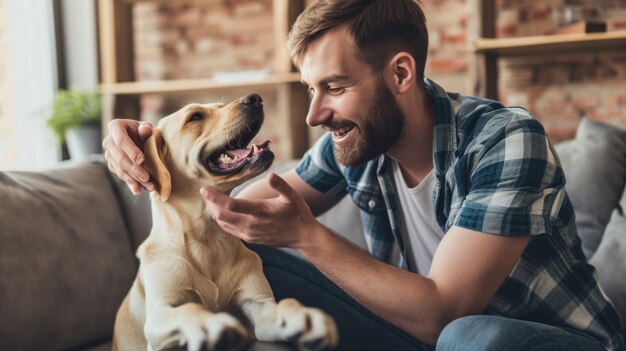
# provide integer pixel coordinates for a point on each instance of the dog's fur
(193, 277)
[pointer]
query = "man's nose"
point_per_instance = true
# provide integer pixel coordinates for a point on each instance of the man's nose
(318, 114)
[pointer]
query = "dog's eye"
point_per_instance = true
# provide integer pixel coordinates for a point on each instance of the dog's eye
(195, 117)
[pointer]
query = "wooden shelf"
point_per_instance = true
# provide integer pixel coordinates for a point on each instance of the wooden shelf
(488, 49)
(551, 44)
(121, 91)
(191, 85)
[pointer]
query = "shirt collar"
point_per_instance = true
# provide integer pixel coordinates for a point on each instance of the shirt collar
(444, 130)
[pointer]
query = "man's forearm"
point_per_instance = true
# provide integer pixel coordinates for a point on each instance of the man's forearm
(409, 301)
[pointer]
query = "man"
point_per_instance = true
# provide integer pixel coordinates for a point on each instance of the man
(471, 237)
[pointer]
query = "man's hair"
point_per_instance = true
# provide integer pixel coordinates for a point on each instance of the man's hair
(379, 28)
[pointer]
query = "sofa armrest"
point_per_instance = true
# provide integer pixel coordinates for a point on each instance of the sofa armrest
(135, 208)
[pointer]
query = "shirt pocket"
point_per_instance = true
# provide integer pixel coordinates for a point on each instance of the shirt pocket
(371, 202)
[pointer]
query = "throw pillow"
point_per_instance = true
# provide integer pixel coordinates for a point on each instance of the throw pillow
(65, 259)
(610, 260)
(595, 168)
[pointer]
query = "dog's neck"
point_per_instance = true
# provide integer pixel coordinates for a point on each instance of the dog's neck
(186, 218)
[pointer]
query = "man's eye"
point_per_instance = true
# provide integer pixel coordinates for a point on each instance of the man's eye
(195, 117)
(336, 90)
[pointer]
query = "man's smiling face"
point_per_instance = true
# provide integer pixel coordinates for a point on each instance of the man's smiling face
(349, 100)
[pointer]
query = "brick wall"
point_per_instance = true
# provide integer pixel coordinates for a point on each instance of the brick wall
(7, 124)
(196, 39)
(188, 40)
(449, 58)
(560, 89)
(536, 17)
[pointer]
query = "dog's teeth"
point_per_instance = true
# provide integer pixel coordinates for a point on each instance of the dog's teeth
(255, 149)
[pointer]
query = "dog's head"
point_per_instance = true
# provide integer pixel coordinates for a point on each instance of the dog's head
(207, 145)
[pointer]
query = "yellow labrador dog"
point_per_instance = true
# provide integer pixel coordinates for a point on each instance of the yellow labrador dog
(198, 286)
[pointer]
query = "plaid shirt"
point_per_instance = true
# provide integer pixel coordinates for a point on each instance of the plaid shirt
(496, 172)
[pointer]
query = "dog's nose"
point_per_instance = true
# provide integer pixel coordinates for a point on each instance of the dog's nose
(252, 99)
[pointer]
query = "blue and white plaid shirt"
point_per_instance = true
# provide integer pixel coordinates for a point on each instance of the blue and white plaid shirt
(496, 172)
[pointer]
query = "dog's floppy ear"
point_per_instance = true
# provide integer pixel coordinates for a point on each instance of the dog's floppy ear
(154, 150)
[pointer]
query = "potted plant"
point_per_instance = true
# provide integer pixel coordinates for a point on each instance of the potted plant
(76, 120)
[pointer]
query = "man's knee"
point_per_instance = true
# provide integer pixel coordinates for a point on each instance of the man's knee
(473, 333)
(490, 333)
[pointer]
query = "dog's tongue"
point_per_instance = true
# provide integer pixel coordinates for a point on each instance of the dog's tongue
(236, 156)
(240, 153)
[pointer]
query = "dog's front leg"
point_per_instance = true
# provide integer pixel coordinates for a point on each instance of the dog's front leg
(177, 315)
(306, 327)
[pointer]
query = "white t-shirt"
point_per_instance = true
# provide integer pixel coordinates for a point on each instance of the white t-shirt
(422, 233)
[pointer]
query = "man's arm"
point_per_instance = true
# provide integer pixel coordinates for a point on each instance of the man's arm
(466, 272)
(467, 269)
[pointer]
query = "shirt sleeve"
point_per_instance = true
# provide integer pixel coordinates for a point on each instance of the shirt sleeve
(319, 169)
(516, 184)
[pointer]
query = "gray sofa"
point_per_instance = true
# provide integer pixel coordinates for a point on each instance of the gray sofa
(68, 236)
(67, 242)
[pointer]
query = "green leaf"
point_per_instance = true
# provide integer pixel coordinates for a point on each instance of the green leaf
(74, 108)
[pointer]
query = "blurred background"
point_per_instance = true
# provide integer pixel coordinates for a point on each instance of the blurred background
(144, 59)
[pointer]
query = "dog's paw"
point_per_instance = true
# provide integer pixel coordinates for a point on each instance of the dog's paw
(307, 328)
(219, 331)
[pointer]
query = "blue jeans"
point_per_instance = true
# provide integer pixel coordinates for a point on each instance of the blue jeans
(499, 333)
(360, 329)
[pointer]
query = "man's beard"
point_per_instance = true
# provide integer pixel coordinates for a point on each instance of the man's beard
(379, 131)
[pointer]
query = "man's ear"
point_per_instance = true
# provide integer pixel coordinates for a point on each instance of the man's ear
(154, 149)
(403, 69)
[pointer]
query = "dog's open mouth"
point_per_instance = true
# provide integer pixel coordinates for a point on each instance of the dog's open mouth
(234, 158)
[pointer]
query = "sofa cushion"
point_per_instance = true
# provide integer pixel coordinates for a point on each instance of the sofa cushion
(610, 260)
(595, 168)
(65, 258)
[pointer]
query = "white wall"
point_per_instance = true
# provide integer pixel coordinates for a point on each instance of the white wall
(34, 81)
(80, 40)
(33, 72)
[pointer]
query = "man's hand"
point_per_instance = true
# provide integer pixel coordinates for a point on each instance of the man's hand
(123, 151)
(284, 220)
